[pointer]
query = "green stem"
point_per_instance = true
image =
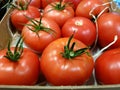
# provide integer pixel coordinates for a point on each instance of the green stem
(69, 51)
(14, 56)
(39, 27)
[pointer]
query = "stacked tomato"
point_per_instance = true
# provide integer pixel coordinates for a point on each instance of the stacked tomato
(60, 36)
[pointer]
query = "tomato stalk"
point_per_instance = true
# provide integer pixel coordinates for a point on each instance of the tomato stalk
(38, 26)
(59, 6)
(14, 56)
(70, 53)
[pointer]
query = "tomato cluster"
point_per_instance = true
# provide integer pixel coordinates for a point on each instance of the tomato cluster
(61, 37)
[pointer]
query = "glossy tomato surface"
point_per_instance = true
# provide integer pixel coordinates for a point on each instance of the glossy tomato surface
(37, 38)
(83, 29)
(25, 71)
(58, 15)
(59, 70)
(108, 27)
(86, 6)
(19, 17)
(107, 67)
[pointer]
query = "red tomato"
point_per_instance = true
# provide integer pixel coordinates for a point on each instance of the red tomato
(19, 17)
(35, 3)
(47, 2)
(62, 69)
(108, 27)
(74, 3)
(37, 37)
(24, 71)
(83, 29)
(85, 6)
(107, 67)
(58, 12)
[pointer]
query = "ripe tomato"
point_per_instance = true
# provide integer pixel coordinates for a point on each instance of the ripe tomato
(47, 2)
(74, 3)
(108, 27)
(35, 3)
(83, 29)
(38, 36)
(62, 66)
(85, 6)
(19, 17)
(24, 71)
(107, 67)
(58, 12)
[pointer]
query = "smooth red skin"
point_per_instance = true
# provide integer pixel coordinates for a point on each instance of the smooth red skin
(19, 19)
(108, 27)
(61, 71)
(74, 3)
(85, 6)
(38, 42)
(85, 31)
(35, 3)
(47, 2)
(107, 67)
(59, 16)
(25, 71)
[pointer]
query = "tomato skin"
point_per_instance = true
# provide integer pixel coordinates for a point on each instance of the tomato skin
(35, 3)
(108, 27)
(85, 6)
(63, 15)
(25, 71)
(107, 68)
(19, 19)
(83, 29)
(61, 71)
(38, 42)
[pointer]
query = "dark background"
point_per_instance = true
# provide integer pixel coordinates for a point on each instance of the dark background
(3, 10)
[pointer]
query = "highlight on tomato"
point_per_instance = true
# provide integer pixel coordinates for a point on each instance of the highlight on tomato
(18, 66)
(83, 29)
(67, 61)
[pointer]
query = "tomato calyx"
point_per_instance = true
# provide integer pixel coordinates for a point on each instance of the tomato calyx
(14, 56)
(69, 53)
(59, 6)
(38, 26)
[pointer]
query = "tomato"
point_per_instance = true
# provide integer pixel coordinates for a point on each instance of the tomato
(107, 68)
(38, 36)
(74, 3)
(35, 3)
(58, 12)
(108, 27)
(85, 6)
(19, 69)
(62, 66)
(19, 17)
(83, 29)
